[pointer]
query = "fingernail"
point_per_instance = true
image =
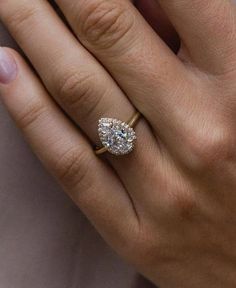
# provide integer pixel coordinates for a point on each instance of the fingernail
(8, 68)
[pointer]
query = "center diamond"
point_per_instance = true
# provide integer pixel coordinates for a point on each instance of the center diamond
(117, 136)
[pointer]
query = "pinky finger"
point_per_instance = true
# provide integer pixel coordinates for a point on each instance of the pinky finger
(64, 151)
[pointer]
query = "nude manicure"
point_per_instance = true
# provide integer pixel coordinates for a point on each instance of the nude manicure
(8, 68)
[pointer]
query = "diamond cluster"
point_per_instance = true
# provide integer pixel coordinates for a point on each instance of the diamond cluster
(117, 136)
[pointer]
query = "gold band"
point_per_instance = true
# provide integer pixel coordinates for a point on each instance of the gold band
(132, 122)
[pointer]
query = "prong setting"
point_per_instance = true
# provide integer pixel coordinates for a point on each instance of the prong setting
(116, 136)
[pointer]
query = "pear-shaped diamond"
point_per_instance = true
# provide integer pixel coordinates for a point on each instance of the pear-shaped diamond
(117, 136)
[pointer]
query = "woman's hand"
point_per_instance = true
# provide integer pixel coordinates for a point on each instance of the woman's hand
(168, 207)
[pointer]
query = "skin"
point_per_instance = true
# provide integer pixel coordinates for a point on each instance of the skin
(169, 207)
(158, 20)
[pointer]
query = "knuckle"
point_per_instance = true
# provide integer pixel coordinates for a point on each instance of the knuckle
(183, 205)
(31, 114)
(22, 17)
(72, 85)
(72, 168)
(151, 249)
(77, 93)
(142, 243)
(209, 149)
(104, 23)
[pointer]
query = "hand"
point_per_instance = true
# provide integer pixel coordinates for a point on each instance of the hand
(168, 207)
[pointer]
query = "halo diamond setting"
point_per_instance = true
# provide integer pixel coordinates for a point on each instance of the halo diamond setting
(116, 136)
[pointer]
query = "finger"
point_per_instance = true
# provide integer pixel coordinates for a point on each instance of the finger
(158, 20)
(72, 75)
(64, 151)
(207, 28)
(137, 58)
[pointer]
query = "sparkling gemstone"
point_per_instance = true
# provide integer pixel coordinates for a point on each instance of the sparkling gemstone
(117, 136)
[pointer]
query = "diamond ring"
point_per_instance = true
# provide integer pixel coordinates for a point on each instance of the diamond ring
(117, 137)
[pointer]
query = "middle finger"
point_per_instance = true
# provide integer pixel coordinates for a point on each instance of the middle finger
(150, 74)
